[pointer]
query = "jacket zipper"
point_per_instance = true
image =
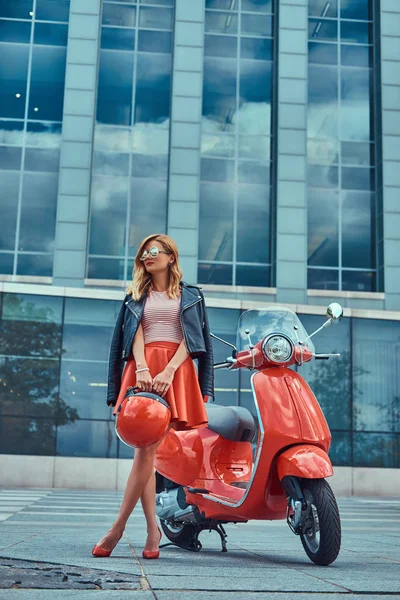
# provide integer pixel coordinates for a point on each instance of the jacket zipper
(180, 317)
(125, 350)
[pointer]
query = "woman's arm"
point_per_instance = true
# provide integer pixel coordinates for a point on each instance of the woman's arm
(143, 378)
(163, 380)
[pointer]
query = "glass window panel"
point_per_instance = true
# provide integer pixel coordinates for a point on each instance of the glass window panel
(222, 4)
(253, 226)
(15, 31)
(42, 160)
(340, 450)
(11, 132)
(213, 273)
(29, 387)
(358, 281)
(114, 99)
(376, 450)
(358, 179)
(16, 10)
(150, 165)
(219, 95)
(106, 268)
(254, 172)
(153, 90)
(9, 187)
(83, 387)
(221, 22)
(323, 279)
(124, 451)
(21, 435)
(256, 25)
(319, 29)
(220, 45)
(323, 228)
(47, 135)
(117, 39)
(355, 9)
(222, 146)
(49, 10)
(6, 260)
(35, 309)
(351, 31)
(357, 230)
(47, 83)
(253, 276)
(323, 151)
(161, 2)
(331, 380)
(109, 200)
(323, 176)
(156, 18)
(119, 14)
(256, 147)
(40, 265)
(10, 158)
(217, 170)
(255, 48)
(322, 110)
(148, 210)
(50, 34)
(155, 41)
(88, 324)
(112, 138)
(376, 375)
(38, 212)
(322, 8)
(356, 56)
(324, 54)
(255, 97)
(216, 222)
(355, 101)
(95, 439)
(13, 76)
(107, 163)
(358, 153)
(257, 5)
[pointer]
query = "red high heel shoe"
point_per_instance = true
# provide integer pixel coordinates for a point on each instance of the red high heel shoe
(100, 552)
(149, 554)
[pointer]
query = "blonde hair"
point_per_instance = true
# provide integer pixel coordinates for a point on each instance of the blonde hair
(142, 280)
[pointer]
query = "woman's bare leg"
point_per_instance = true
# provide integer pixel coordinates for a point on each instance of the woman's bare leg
(142, 470)
(148, 500)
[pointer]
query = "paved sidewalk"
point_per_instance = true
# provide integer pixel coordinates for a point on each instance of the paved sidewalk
(47, 536)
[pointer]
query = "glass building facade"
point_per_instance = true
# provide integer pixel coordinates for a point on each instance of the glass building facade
(263, 136)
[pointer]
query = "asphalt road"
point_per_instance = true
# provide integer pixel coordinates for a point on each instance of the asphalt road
(47, 536)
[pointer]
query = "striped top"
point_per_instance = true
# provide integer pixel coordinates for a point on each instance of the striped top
(161, 319)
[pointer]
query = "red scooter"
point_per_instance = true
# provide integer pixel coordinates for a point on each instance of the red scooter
(268, 464)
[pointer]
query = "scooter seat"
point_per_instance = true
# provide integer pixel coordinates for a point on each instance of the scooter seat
(234, 423)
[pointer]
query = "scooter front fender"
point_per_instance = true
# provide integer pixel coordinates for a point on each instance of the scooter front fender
(306, 461)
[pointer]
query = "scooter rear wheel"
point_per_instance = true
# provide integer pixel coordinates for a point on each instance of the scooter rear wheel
(321, 535)
(184, 535)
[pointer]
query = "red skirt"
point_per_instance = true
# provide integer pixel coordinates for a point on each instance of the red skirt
(184, 395)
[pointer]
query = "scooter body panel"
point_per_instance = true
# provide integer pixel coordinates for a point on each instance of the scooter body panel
(310, 462)
(288, 415)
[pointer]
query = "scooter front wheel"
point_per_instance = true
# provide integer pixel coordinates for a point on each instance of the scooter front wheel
(321, 535)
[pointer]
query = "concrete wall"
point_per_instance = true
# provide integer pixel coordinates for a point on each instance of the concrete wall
(111, 474)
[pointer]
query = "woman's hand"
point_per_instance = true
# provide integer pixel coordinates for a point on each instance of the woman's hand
(144, 381)
(162, 381)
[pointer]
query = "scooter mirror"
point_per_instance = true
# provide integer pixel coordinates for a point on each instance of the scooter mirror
(334, 312)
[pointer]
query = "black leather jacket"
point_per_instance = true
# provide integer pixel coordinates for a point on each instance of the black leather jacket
(196, 331)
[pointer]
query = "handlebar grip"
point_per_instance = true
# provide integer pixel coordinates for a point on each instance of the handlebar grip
(321, 357)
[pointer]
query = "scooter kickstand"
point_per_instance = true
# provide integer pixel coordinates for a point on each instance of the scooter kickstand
(223, 535)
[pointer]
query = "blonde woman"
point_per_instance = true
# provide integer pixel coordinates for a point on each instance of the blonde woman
(162, 326)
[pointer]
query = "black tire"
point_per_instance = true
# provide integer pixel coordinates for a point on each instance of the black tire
(321, 535)
(183, 535)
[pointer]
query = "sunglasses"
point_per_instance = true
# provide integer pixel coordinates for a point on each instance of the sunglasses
(153, 253)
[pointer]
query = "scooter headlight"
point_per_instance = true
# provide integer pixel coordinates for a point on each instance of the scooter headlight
(278, 348)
